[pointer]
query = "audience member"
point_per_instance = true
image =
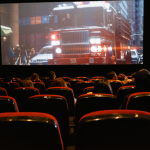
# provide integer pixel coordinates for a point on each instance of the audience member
(35, 76)
(123, 78)
(52, 75)
(27, 83)
(142, 84)
(112, 75)
(102, 87)
(59, 82)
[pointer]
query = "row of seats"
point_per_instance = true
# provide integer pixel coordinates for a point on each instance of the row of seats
(109, 129)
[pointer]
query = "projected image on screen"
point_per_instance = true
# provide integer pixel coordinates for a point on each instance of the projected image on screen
(72, 33)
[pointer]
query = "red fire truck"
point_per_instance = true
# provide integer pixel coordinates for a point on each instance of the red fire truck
(89, 33)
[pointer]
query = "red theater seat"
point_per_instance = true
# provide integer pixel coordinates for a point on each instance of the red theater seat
(139, 101)
(68, 84)
(95, 80)
(49, 83)
(45, 79)
(52, 104)
(83, 78)
(88, 89)
(21, 94)
(65, 78)
(115, 85)
(37, 80)
(87, 103)
(9, 86)
(98, 77)
(65, 92)
(40, 86)
(123, 91)
(8, 104)
(29, 131)
(3, 92)
(114, 129)
(81, 85)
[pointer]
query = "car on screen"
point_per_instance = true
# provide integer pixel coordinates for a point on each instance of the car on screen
(42, 57)
(135, 57)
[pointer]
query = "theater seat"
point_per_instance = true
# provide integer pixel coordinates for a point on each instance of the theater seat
(36, 80)
(81, 85)
(40, 86)
(83, 78)
(68, 84)
(8, 104)
(49, 84)
(21, 94)
(98, 77)
(29, 131)
(65, 78)
(95, 80)
(45, 79)
(9, 86)
(87, 103)
(123, 91)
(114, 130)
(115, 85)
(65, 92)
(3, 92)
(55, 105)
(88, 89)
(139, 101)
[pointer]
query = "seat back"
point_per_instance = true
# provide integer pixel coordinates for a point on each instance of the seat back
(122, 92)
(68, 84)
(45, 79)
(83, 78)
(8, 104)
(65, 78)
(49, 84)
(21, 94)
(98, 77)
(115, 85)
(52, 104)
(36, 80)
(3, 92)
(95, 80)
(88, 89)
(65, 92)
(130, 83)
(80, 86)
(139, 101)
(9, 86)
(32, 131)
(114, 129)
(87, 103)
(40, 86)
(73, 82)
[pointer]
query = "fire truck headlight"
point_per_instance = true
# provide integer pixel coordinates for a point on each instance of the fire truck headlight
(53, 36)
(94, 49)
(58, 50)
(55, 42)
(92, 41)
(98, 40)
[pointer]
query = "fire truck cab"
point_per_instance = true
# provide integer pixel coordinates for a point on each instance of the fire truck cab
(83, 33)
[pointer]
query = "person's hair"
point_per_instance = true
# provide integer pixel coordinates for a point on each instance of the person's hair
(133, 74)
(122, 77)
(27, 83)
(102, 87)
(52, 75)
(142, 81)
(34, 76)
(59, 82)
(111, 75)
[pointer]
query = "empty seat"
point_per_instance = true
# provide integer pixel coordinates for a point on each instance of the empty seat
(95, 80)
(139, 101)
(65, 78)
(29, 131)
(1, 81)
(122, 92)
(49, 83)
(87, 103)
(21, 94)
(45, 79)
(16, 79)
(3, 92)
(115, 85)
(114, 129)
(73, 82)
(52, 104)
(83, 78)
(68, 84)
(8, 104)
(80, 86)
(88, 89)
(9, 86)
(98, 77)
(65, 92)
(40, 86)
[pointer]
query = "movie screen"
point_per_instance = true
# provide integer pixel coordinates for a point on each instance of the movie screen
(72, 33)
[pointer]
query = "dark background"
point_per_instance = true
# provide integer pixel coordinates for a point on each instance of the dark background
(85, 70)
